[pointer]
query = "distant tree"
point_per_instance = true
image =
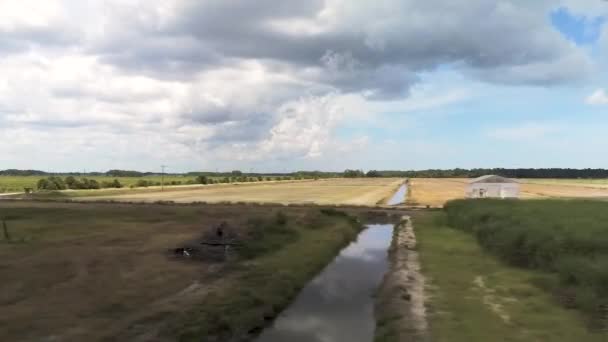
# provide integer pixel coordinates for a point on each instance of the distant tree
(353, 173)
(59, 183)
(70, 182)
(202, 180)
(142, 183)
(124, 173)
(373, 173)
(236, 173)
(93, 184)
(43, 184)
(116, 184)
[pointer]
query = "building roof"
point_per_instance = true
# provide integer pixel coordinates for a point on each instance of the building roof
(492, 179)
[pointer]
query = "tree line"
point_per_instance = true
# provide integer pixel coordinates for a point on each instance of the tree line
(348, 173)
(511, 173)
(70, 182)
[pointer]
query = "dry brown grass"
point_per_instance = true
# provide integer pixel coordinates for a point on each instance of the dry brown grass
(564, 190)
(358, 191)
(436, 191)
(85, 271)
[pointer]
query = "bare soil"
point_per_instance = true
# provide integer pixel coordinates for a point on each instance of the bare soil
(401, 305)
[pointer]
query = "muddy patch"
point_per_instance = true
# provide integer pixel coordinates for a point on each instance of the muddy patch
(215, 245)
(490, 299)
(400, 308)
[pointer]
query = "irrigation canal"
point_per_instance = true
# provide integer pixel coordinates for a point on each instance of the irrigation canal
(338, 304)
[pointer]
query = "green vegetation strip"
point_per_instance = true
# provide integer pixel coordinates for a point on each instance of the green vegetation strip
(476, 297)
(283, 257)
(568, 238)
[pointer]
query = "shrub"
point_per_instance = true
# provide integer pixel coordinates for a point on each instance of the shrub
(142, 183)
(51, 183)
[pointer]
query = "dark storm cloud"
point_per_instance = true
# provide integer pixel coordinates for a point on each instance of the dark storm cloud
(487, 38)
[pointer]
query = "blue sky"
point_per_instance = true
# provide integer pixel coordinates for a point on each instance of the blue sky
(324, 84)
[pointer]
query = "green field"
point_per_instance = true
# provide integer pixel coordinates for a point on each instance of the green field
(473, 296)
(17, 183)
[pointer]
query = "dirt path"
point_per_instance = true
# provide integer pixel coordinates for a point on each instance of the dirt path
(401, 307)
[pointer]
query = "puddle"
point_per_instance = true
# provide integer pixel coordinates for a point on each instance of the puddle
(399, 196)
(338, 304)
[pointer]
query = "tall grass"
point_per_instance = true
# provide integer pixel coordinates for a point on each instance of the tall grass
(569, 238)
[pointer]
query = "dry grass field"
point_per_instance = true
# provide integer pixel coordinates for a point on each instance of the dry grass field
(356, 191)
(436, 191)
(104, 272)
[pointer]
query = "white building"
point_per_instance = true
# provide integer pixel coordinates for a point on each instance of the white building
(493, 186)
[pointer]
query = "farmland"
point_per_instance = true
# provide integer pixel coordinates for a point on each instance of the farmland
(75, 271)
(492, 267)
(17, 183)
(436, 191)
(355, 191)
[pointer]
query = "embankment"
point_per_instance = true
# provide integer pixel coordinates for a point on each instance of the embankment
(400, 306)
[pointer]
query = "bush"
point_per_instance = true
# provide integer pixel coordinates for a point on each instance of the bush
(51, 183)
(142, 183)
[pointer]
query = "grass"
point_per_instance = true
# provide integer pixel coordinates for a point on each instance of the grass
(476, 297)
(283, 265)
(568, 238)
(105, 268)
(17, 183)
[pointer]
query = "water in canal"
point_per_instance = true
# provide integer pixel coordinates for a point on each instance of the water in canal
(399, 196)
(338, 304)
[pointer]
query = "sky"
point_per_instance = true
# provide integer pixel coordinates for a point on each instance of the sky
(302, 85)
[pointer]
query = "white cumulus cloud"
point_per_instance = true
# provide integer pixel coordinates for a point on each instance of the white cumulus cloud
(599, 97)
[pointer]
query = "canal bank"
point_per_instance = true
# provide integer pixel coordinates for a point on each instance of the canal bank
(400, 304)
(338, 304)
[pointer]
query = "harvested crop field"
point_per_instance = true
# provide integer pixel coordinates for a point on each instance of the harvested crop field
(435, 192)
(356, 191)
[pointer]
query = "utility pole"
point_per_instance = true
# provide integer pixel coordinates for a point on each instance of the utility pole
(162, 177)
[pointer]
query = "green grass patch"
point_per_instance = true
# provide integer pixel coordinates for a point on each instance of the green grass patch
(17, 183)
(268, 282)
(476, 297)
(568, 238)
